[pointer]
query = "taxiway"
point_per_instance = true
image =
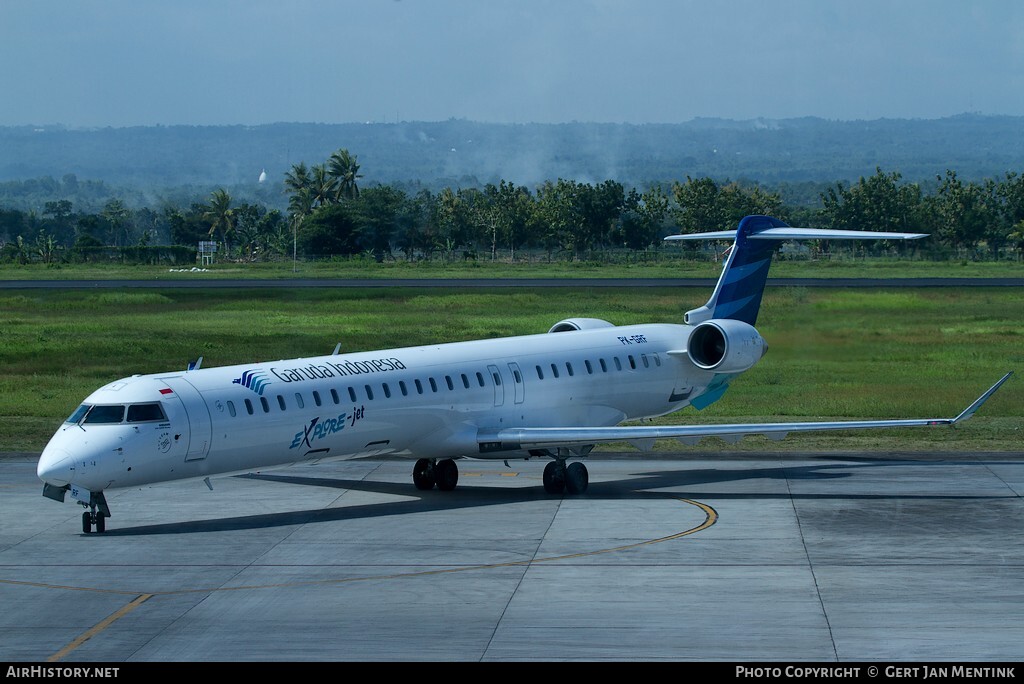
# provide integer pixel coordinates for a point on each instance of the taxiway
(706, 557)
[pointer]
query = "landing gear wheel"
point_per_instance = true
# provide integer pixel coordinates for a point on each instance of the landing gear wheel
(554, 477)
(576, 478)
(447, 474)
(101, 523)
(424, 474)
(87, 522)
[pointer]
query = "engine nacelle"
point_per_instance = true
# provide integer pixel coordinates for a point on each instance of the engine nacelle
(725, 345)
(570, 324)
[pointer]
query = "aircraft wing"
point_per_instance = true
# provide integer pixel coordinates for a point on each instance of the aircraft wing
(515, 439)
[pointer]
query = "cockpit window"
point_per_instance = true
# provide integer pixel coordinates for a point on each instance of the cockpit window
(105, 414)
(79, 412)
(140, 413)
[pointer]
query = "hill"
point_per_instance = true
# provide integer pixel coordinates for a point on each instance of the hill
(457, 152)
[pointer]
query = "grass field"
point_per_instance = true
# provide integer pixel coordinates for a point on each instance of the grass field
(669, 265)
(833, 353)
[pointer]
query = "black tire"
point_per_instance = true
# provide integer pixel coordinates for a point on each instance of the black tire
(101, 523)
(423, 474)
(447, 474)
(577, 479)
(87, 522)
(554, 478)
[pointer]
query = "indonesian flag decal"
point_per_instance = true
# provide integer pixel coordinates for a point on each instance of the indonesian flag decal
(166, 390)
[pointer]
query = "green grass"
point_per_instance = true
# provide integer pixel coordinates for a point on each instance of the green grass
(834, 353)
(670, 264)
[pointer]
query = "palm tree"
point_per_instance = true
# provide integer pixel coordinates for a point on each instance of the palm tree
(344, 167)
(297, 178)
(221, 216)
(323, 187)
(300, 205)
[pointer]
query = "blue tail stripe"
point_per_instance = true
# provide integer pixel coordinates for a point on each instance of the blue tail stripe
(732, 309)
(742, 283)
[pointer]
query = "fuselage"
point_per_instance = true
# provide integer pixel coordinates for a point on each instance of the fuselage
(420, 402)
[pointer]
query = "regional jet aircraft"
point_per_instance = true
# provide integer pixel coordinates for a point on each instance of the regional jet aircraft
(550, 396)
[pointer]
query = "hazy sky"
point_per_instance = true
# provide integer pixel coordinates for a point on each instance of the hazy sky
(143, 62)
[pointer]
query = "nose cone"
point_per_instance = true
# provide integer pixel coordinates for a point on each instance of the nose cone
(55, 466)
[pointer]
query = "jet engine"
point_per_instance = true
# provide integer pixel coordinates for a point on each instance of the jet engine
(570, 324)
(725, 345)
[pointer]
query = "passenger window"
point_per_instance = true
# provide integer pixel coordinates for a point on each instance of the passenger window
(590, 369)
(604, 366)
(465, 381)
(280, 402)
(266, 404)
(632, 362)
(387, 390)
(140, 413)
(618, 364)
(248, 406)
(316, 397)
(401, 386)
(451, 385)
(369, 392)
(554, 370)
(433, 385)
(568, 367)
(351, 394)
(298, 400)
(657, 360)
(497, 378)
(231, 409)
(643, 357)
(517, 376)
(102, 415)
(419, 386)
(540, 373)
(480, 378)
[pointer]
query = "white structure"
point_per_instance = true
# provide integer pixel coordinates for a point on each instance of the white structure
(263, 176)
(206, 252)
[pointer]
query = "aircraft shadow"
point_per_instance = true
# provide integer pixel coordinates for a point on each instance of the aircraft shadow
(637, 487)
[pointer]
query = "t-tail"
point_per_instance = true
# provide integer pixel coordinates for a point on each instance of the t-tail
(737, 295)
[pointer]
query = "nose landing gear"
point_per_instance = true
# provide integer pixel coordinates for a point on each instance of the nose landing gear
(97, 514)
(89, 519)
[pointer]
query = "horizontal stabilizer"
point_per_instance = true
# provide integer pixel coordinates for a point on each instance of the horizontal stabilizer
(788, 233)
(715, 235)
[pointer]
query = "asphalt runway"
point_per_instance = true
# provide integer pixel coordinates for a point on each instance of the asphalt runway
(847, 557)
(201, 282)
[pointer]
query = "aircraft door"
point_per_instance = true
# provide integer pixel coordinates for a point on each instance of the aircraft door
(518, 382)
(499, 387)
(199, 422)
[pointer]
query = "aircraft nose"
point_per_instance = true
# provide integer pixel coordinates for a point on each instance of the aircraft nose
(55, 467)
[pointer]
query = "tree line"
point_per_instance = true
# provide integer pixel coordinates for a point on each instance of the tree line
(330, 215)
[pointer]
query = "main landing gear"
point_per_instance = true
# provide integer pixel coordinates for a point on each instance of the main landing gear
(429, 471)
(558, 478)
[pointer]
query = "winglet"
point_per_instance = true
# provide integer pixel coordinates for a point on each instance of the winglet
(969, 411)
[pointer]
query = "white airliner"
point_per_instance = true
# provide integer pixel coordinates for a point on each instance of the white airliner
(552, 396)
